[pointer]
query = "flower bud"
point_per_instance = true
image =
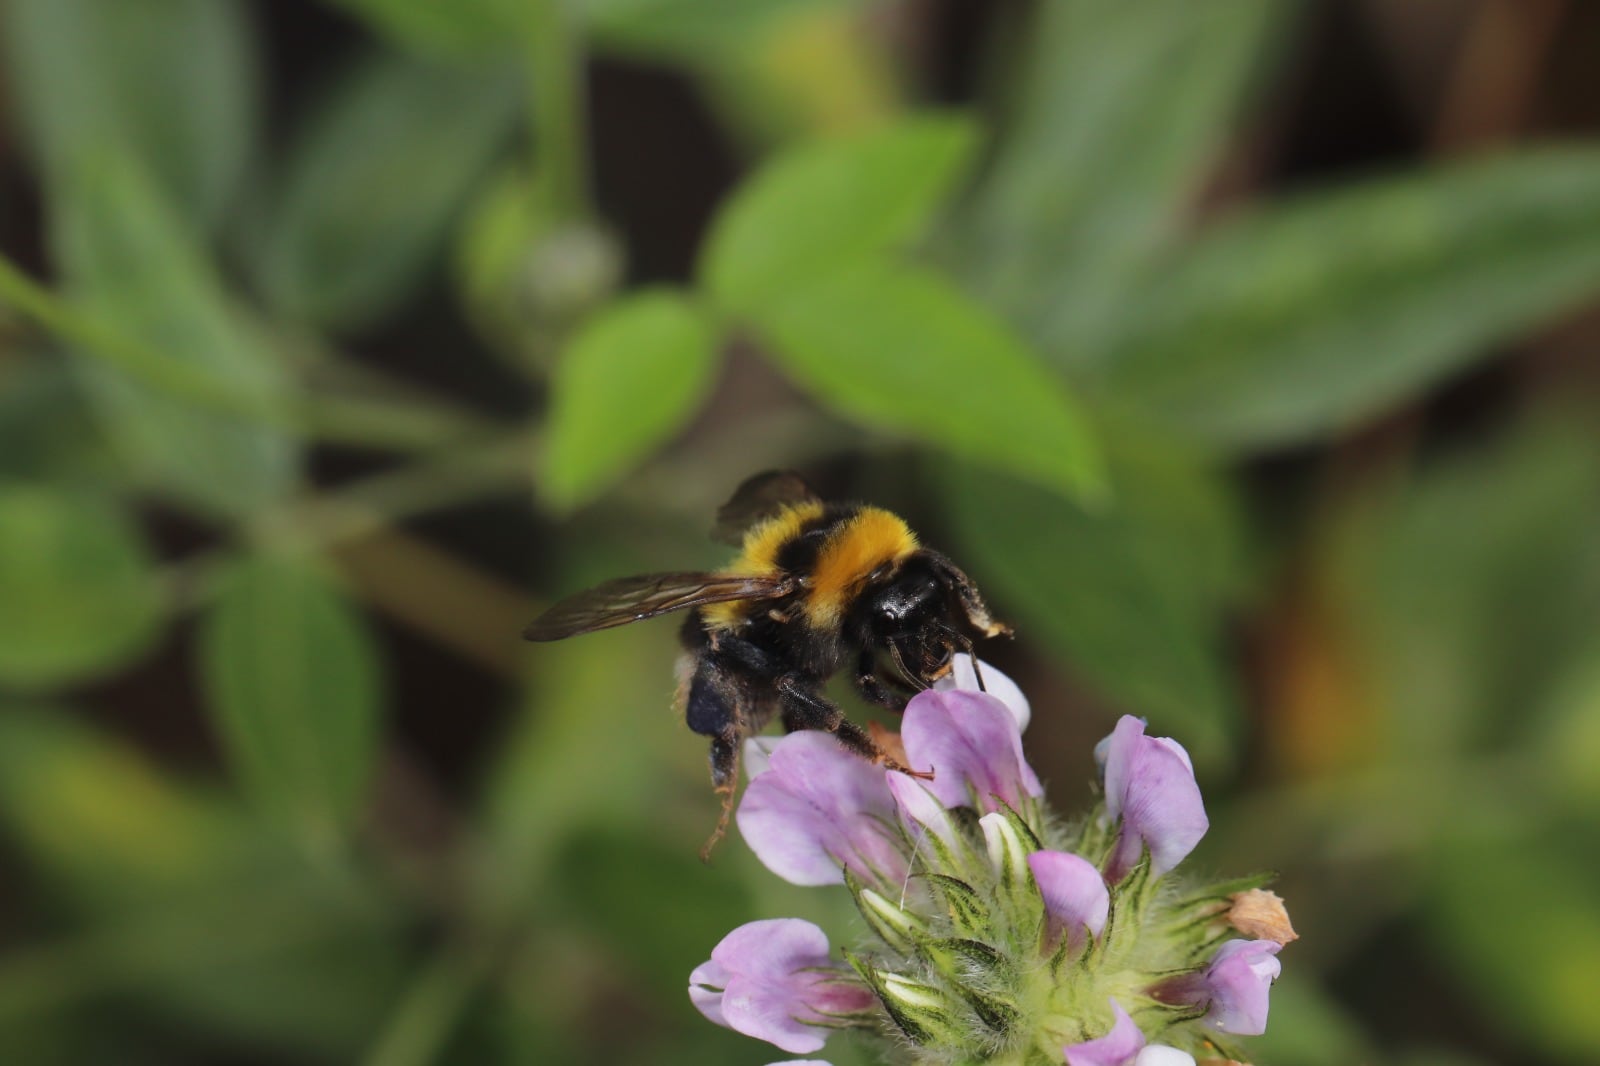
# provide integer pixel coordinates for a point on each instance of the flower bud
(920, 1011)
(896, 926)
(1010, 842)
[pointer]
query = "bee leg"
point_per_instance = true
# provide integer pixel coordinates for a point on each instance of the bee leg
(882, 691)
(804, 708)
(725, 750)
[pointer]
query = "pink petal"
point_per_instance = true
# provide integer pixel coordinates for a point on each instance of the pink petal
(1239, 978)
(776, 980)
(1150, 786)
(920, 810)
(818, 808)
(963, 677)
(1075, 896)
(972, 744)
(1116, 1048)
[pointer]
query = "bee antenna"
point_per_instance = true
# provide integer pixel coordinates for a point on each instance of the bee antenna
(900, 664)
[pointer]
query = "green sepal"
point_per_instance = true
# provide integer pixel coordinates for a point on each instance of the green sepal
(973, 968)
(921, 1012)
(1224, 891)
(1023, 828)
(968, 912)
(1129, 900)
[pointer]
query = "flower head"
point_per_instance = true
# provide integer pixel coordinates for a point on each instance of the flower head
(773, 980)
(998, 926)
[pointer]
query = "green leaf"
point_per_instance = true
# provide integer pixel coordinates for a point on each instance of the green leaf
(628, 380)
(135, 268)
(80, 598)
(293, 682)
(693, 30)
(170, 84)
(182, 903)
(102, 825)
(593, 744)
(375, 182)
(461, 26)
(903, 350)
(599, 888)
(825, 205)
(47, 430)
(1132, 593)
(1120, 110)
(1516, 924)
(1301, 319)
(1472, 592)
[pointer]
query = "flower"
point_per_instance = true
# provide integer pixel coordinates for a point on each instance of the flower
(1150, 787)
(964, 676)
(817, 810)
(971, 742)
(773, 980)
(1240, 975)
(1124, 1046)
(1075, 897)
(1117, 1048)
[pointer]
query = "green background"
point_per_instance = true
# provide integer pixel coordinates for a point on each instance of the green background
(1242, 352)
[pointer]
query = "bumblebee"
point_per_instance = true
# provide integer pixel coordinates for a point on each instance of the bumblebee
(816, 587)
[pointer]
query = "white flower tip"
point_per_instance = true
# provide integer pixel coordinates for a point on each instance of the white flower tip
(1161, 1055)
(758, 755)
(963, 676)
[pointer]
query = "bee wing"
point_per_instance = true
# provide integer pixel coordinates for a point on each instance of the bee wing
(760, 496)
(631, 599)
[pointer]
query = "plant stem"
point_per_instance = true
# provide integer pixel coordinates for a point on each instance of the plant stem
(403, 426)
(366, 507)
(557, 110)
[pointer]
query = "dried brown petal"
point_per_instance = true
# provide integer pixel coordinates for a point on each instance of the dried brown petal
(1261, 914)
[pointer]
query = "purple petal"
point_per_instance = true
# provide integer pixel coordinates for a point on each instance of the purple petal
(1075, 896)
(972, 744)
(1150, 786)
(1240, 975)
(773, 980)
(706, 984)
(920, 810)
(964, 678)
(1116, 1048)
(818, 808)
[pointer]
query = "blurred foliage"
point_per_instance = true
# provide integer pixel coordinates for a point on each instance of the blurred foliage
(1302, 474)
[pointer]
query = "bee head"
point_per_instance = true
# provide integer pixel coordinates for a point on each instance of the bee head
(912, 611)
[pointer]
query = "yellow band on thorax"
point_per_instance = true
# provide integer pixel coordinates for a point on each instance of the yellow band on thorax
(870, 538)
